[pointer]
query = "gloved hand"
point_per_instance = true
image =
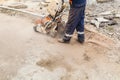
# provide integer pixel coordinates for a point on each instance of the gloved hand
(70, 1)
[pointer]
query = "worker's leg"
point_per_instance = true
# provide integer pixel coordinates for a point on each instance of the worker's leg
(71, 24)
(80, 26)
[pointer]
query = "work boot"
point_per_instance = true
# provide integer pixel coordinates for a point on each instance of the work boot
(81, 38)
(65, 39)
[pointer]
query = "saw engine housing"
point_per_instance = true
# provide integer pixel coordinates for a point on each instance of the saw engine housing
(50, 24)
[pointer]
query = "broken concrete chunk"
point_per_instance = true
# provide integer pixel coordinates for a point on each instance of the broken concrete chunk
(95, 23)
(106, 13)
(112, 22)
(102, 22)
(102, 1)
(18, 6)
(101, 19)
(110, 17)
(117, 15)
(44, 4)
(89, 2)
(48, 1)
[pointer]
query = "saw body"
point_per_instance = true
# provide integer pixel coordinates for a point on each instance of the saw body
(49, 24)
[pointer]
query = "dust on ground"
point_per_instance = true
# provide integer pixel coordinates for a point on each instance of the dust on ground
(26, 55)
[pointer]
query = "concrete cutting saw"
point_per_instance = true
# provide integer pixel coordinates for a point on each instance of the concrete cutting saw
(52, 23)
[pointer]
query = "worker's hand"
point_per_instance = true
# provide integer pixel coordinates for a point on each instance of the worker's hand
(70, 1)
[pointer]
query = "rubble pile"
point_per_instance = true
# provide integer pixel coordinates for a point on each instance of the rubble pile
(105, 17)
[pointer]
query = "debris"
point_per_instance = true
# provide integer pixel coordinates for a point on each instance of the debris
(112, 22)
(106, 13)
(44, 4)
(95, 23)
(117, 15)
(102, 1)
(89, 2)
(98, 22)
(18, 6)
(109, 17)
(102, 22)
(101, 19)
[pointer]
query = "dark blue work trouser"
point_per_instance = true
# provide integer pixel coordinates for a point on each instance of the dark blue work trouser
(75, 21)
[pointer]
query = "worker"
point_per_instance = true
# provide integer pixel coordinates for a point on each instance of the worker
(75, 21)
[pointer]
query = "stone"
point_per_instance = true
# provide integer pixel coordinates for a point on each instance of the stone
(44, 4)
(106, 13)
(110, 17)
(112, 22)
(102, 22)
(101, 19)
(117, 15)
(18, 6)
(102, 1)
(95, 23)
(89, 2)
